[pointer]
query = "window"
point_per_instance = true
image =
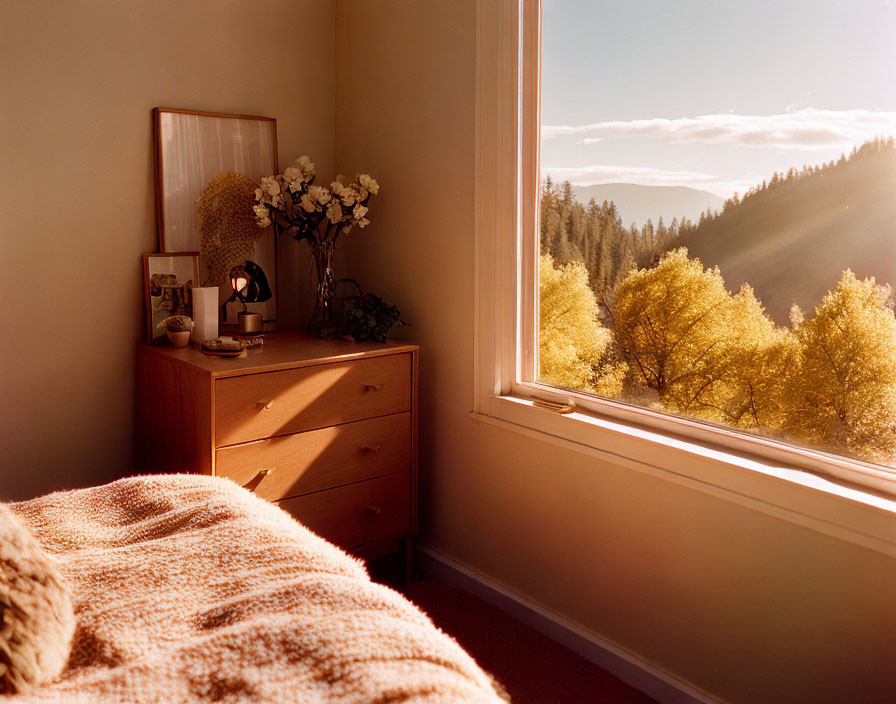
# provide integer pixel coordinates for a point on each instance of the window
(717, 215)
(700, 240)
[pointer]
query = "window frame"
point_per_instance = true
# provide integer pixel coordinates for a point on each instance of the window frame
(506, 184)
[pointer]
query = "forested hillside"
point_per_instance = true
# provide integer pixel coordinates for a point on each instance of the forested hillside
(791, 237)
(595, 234)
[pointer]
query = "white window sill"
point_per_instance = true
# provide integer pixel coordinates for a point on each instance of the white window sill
(859, 516)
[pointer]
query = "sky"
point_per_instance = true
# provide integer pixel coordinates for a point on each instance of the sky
(712, 94)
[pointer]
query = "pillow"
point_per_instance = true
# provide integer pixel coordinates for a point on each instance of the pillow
(36, 616)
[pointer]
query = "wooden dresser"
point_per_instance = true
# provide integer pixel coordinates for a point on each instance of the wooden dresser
(325, 428)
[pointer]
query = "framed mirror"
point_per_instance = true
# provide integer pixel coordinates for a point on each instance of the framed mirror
(207, 166)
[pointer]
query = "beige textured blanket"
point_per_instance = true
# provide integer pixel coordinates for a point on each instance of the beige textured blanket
(191, 589)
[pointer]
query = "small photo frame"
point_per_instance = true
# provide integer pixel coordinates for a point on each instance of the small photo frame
(168, 280)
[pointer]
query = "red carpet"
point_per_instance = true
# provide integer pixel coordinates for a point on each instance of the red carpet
(533, 668)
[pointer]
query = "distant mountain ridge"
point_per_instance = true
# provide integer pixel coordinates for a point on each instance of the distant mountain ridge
(637, 203)
(792, 238)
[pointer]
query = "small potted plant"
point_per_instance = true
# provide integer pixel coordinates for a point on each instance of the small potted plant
(368, 317)
(178, 328)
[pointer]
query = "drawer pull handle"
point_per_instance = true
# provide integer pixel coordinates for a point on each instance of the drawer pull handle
(375, 509)
(373, 387)
(264, 405)
(375, 449)
(257, 479)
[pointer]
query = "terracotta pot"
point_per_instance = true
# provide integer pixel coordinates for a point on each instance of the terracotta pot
(179, 338)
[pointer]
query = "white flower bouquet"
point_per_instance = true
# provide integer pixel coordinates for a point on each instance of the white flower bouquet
(294, 205)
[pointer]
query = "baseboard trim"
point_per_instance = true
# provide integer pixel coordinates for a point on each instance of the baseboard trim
(656, 683)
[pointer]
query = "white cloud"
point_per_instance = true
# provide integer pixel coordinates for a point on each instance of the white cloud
(607, 173)
(799, 129)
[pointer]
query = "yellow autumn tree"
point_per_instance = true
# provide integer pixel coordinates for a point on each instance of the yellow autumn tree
(672, 322)
(573, 345)
(704, 351)
(754, 387)
(844, 392)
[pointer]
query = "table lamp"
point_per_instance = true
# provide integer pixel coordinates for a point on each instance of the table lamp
(247, 321)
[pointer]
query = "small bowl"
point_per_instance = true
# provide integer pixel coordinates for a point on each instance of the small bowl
(179, 338)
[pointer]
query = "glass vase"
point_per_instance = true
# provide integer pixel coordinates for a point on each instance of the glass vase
(322, 321)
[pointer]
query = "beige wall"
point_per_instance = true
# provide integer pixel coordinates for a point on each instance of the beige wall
(748, 607)
(78, 80)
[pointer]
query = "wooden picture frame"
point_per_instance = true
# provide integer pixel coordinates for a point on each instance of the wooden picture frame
(172, 297)
(191, 148)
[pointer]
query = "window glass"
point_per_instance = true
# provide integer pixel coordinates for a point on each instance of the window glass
(718, 214)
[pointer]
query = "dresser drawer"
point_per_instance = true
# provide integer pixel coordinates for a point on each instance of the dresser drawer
(258, 406)
(357, 513)
(290, 465)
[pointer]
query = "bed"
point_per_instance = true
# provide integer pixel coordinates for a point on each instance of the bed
(188, 588)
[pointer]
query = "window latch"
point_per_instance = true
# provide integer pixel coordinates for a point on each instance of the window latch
(555, 406)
